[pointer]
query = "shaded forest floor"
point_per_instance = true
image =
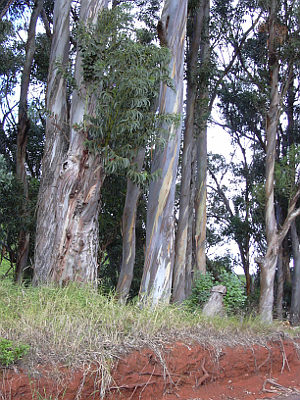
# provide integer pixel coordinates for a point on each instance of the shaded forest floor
(170, 371)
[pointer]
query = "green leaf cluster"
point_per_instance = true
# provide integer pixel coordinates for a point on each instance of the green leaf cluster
(203, 284)
(235, 296)
(10, 352)
(122, 77)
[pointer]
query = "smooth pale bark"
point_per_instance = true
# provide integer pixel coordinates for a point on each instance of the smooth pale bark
(295, 305)
(200, 202)
(182, 231)
(56, 145)
(201, 189)
(23, 127)
(160, 234)
(77, 202)
(128, 233)
(280, 284)
(282, 259)
(268, 264)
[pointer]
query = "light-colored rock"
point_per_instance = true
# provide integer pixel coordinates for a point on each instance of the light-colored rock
(215, 305)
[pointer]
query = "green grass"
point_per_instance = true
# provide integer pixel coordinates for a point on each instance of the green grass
(77, 324)
(5, 269)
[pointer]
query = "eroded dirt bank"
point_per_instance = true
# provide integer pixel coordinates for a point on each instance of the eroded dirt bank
(177, 371)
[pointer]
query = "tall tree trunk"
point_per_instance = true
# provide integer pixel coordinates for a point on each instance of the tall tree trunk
(75, 239)
(268, 264)
(159, 257)
(295, 306)
(280, 284)
(128, 233)
(190, 249)
(56, 145)
(280, 266)
(201, 189)
(182, 232)
(23, 127)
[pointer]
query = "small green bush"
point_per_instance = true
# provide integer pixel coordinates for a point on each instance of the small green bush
(235, 296)
(201, 290)
(10, 353)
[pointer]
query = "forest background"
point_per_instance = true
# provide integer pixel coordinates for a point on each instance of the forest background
(105, 175)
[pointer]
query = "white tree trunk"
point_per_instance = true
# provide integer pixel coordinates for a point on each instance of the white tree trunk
(179, 283)
(268, 265)
(160, 235)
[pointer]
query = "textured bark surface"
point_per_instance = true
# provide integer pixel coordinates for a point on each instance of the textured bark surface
(159, 257)
(182, 232)
(76, 196)
(128, 231)
(56, 145)
(23, 127)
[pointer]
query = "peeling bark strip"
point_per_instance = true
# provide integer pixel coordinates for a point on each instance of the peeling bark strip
(159, 258)
(56, 145)
(74, 182)
(182, 232)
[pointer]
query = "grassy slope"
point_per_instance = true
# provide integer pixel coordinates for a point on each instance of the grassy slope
(77, 324)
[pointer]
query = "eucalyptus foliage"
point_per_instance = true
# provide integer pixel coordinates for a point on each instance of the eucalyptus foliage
(123, 78)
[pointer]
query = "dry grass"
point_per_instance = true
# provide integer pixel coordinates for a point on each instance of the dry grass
(77, 325)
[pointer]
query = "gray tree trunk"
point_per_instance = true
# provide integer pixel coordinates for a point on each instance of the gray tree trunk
(190, 250)
(268, 265)
(23, 127)
(128, 233)
(280, 284)
(159, 257)
(182, 233)
(74, 241)
(201, 188)
(295, 306)
(56, 145)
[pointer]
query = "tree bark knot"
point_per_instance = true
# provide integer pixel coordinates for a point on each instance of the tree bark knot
(162, 30)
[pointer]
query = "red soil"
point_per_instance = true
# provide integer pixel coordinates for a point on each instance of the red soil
(189, 373)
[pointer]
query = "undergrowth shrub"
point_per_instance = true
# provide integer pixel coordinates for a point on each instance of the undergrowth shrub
(235, 297)
(10, 353)
(200, 291)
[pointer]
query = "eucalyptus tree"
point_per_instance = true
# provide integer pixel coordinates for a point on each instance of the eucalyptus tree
(274, 234)
(160, 235)
(198, 17)
(205, 74)
(115, 79)
(264, 75)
